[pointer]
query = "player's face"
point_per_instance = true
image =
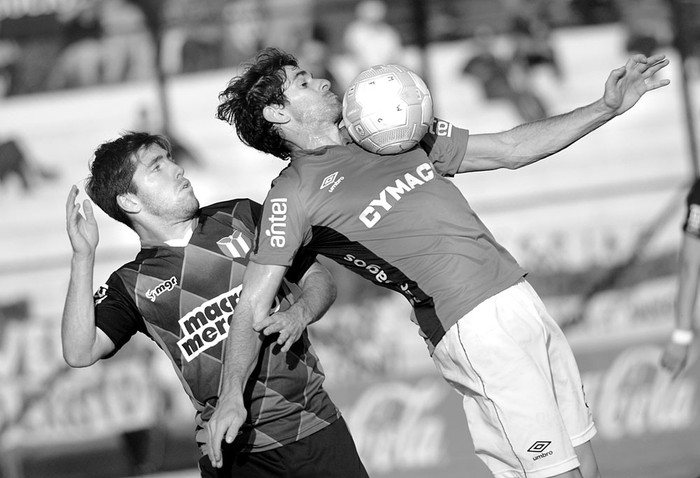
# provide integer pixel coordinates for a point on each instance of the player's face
(161, 186)
(311, 100)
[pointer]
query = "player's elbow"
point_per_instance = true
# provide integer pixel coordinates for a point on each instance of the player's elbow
(75, 359)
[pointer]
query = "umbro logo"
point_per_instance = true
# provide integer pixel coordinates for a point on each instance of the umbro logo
(539, 447)
(331, 180)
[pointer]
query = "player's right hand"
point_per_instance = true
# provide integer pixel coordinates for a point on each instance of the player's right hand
(675, 357)
(82, 231)
(225, 423)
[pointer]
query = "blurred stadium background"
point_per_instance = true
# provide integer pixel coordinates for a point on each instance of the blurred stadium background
(598, 226)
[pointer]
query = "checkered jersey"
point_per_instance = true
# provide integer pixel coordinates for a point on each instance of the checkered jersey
(691, 225)
(183, 298)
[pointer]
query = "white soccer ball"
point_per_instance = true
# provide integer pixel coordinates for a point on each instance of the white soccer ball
(387, 109)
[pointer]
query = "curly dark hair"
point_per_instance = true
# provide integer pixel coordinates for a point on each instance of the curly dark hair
(112, 170)
(241, 104)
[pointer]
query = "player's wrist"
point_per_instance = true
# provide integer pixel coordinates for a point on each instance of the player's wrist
(683, 336)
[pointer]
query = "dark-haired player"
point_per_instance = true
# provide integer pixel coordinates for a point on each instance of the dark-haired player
(181, 291)
(400, 222)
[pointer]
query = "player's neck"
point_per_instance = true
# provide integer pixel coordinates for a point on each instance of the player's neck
(313, 138)
(175, 233)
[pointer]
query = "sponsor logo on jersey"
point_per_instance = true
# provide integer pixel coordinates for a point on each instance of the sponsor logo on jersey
(234, 246)
(539, 447)
(440, 128)
(393, 193)
(694, 219)
(165, 286)
(376, 271)
(331, 181)
(100, 294)
(208, 324)
(277, 230)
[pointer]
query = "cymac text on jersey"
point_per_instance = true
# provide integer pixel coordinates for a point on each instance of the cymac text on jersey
(392, 194)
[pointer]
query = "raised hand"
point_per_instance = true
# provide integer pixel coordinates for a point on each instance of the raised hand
(627, 84)
(82, 231)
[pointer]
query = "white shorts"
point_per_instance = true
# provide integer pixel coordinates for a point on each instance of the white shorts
(522, 390)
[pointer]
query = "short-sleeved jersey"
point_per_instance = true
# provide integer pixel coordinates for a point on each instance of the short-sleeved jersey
(184, 297)
(396, 220)
(691, 225)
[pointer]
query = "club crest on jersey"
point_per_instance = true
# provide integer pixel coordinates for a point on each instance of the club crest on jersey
(234, 246)
(331, 181)
(165, 286)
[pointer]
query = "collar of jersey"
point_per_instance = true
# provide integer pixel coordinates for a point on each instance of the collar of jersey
(178, 241)
(182, 242)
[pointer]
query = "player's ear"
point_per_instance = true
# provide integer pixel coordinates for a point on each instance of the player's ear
(129, 203)
(275, 114)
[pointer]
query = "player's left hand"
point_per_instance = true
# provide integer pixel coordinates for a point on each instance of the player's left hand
(627, 84)
(287, 324)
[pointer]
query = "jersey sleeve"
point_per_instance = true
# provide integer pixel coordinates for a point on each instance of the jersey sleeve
(691, 225)
(284, 226)
(446, 145)
(116, 313)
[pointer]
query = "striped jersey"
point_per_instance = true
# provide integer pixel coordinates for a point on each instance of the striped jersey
(396, 220)
(183, 298)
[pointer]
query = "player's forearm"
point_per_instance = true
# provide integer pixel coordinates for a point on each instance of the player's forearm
(242, 347)
(318, 292)
(543, 138)
(531, 142)
(78, 331)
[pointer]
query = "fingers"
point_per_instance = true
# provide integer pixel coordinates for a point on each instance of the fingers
(226, 428)
(89, 213)
(273, 324)
(214, 450)
(70, 201)
(652, 85)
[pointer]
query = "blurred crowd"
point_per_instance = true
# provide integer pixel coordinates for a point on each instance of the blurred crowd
(83, 43)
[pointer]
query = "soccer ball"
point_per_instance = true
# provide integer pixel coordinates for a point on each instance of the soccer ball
(387, 109)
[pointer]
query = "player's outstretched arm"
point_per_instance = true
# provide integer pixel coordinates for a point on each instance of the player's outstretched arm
(530, 142)
(260, 284)
(675, 355)
(318, 292)
(83, 343)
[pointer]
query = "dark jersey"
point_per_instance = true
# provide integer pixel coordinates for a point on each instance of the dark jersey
(184, 297)
(395, 220)
(691, 225)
